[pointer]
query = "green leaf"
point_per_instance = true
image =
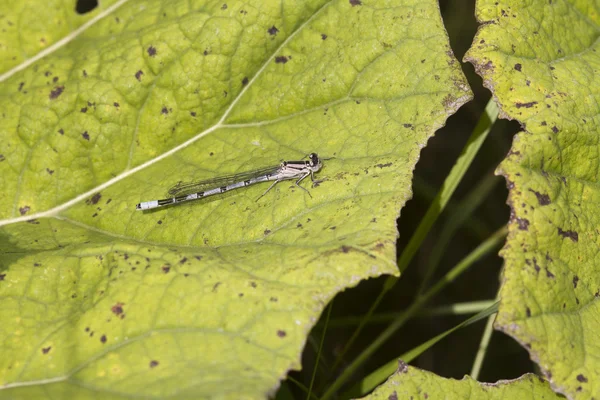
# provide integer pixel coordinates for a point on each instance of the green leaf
(541, 61)
(409, 382)
(32, 29)
(217, 296)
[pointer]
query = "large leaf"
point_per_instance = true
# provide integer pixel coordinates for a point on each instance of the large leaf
(409, 382)
(541, 61)
(100, 300)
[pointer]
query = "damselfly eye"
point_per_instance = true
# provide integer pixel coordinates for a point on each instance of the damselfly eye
(314, 159)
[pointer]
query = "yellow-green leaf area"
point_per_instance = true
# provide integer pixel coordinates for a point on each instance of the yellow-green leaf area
(30, 27)
(217, 296)
(541, 60)
(409, 382)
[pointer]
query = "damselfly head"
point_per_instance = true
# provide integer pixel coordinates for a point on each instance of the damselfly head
(315, 161)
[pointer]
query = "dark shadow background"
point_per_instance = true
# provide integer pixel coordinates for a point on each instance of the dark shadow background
(453, 356)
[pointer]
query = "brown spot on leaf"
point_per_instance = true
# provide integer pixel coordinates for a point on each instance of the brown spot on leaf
(393, 396)
(94, 199)
(103, 338)
(153, 363)
(549, 274)
(355, 3)
(281, 59)
(281, 333)
(323, 36)
(50, 171)
(273, 30)
(57, 91)
(554, 129)
(569, 234)
(151, 51)
(86, 135)
(267, 231)
(117, 309)
(575, 281)
(518, 67)
(526, 105)
(138, 75)
(183, 260)
(2, 276)
(245, 81)
(581, 378)
(523, 224)
(166, 269)
(543, 199)
(164, 110)
(45, 350)
(23, 210)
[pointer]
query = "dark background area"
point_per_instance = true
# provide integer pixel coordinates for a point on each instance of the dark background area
(453, 356)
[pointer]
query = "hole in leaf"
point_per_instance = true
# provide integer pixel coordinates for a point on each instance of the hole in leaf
(85, 6)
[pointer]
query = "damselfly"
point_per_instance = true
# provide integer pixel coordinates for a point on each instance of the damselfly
(183, 192)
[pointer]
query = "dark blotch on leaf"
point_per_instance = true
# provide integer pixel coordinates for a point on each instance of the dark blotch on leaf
(355, 3)
(151, 51)
(117, 309)
(323, 36)
(21, 85)
(83, 109)
(267, 231)
(549, 274)
(523, 224)
(224, 6)
(159, 222)
(166, 269)
(193, 114)
(569, 234)
(24, 210)
(273, 30)
(183, 260)
(281, 333)
(543, 199)
(116, 104)
(393, 396)
(245, 81)
(581, 378)
(138, 75)
(2, 157)
(575, 280)
(61, 131)
(45, 350)
(281, 59)
(86, 135)
(518, 67)
(103, 338)
(527, 312)
(56, 92)
(50, 171)
(153, 363)
(164, 110)
(554, 129)
(526, 105)
(2, 277)
(94, 199)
